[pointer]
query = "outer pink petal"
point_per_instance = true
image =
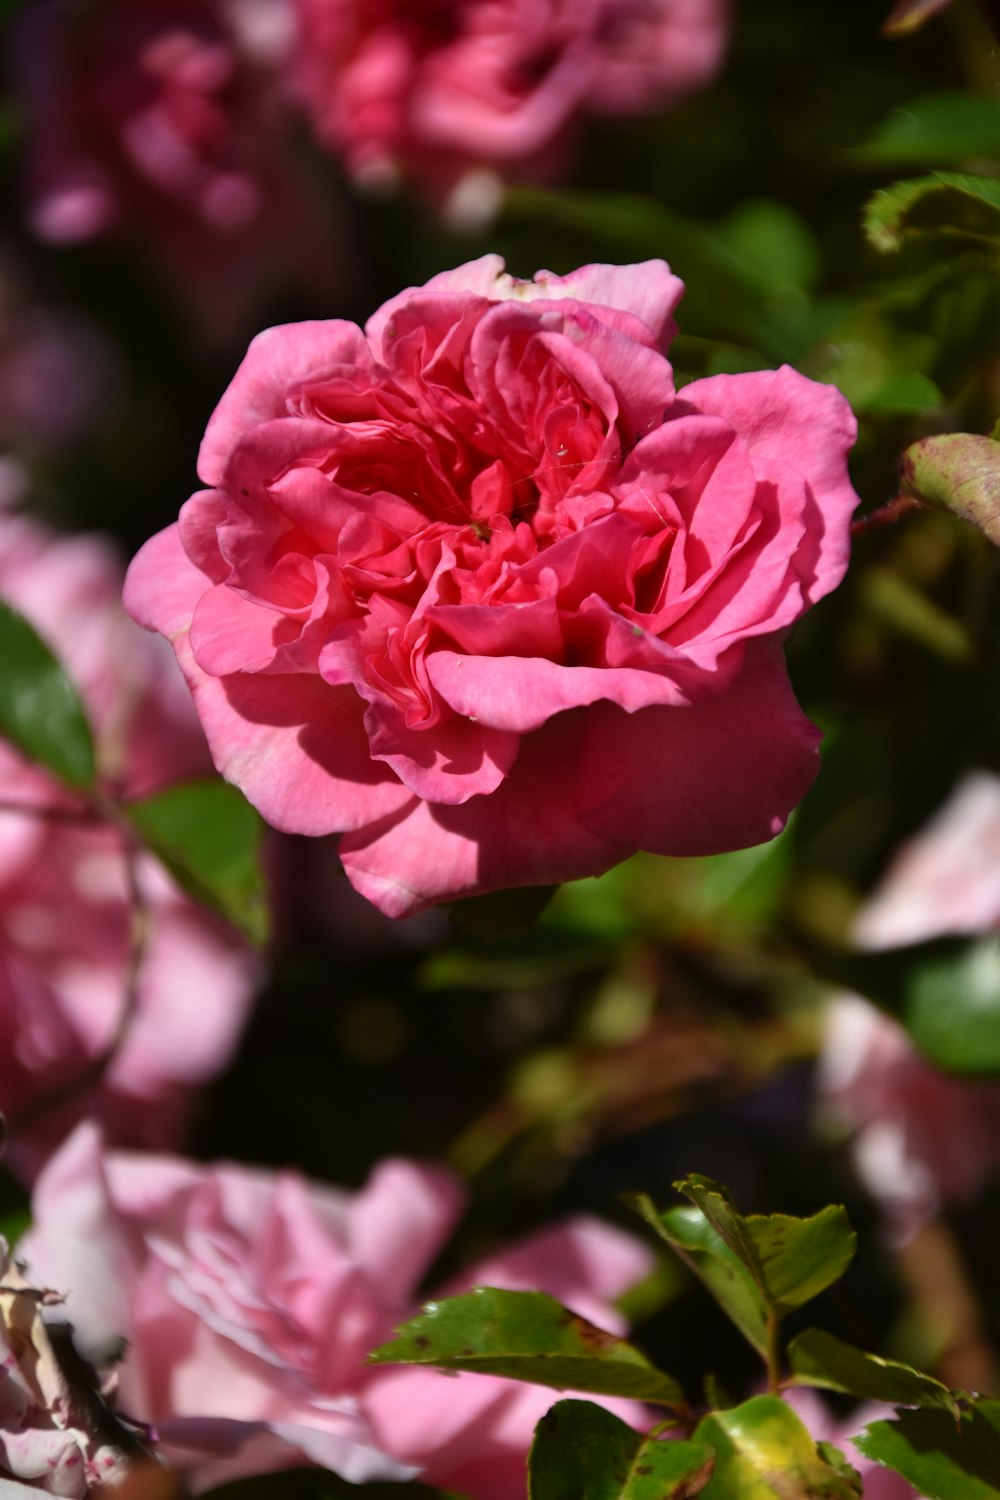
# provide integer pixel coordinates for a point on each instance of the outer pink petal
(526, 833)
(721, 774)
(648, 291)
(276, 362)
(810, 427)
(232, 634)
(162, 585)
(295, 747)
(77, 1244)
(399, 1221)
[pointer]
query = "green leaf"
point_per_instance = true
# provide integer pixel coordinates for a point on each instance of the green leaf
(936, 130)
(946, 993)
(942, 1459)
(948, 203)
(960, 472)
(527, 1336)
(40, 709)
(758, 1264)
(700, 1246)
(763, 1452)
(582, 1452)
(818, 1358)
(317, 1484)
(772, 244)
(209, 837)
(909, 394)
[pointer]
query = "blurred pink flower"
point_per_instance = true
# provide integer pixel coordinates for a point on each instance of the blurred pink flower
(162, 123)
(921, 1140)
(476, 588)
(249, 1299)
(64, 898)
(458, 95)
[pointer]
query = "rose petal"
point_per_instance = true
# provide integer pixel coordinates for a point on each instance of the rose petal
(526, 833)
(782, 414)
(721, 774)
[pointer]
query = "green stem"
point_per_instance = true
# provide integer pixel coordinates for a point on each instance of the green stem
(773, 1356)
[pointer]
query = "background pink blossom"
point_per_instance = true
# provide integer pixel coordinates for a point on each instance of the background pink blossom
(458, 94)
(249, 1299)
(921, 1140)
(163, 124)
(478, 590)
(64, 899)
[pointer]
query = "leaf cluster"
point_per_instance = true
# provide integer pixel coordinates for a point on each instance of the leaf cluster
(759, 1269)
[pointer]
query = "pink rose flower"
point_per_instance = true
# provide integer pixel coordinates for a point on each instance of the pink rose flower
(921, 1139)
(250, 1298)
(64, 895)
(479, 590)
(458, 96)
(164, 124)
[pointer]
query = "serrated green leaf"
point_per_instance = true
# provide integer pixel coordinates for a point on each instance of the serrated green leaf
(802, 1257)
(942, 1459)
(40, 710)
(209, 837)
(947, 203)
(763, 1452)
(758, 1265)
(936, 130)
(317, 1484)
(583, 1452)
(946, 993)
(527, 1336)
(818, 1358)
(700, 1246)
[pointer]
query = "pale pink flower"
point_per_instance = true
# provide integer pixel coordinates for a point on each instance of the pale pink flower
(64, 895)
(457, 95)
(162, 123)
(476, 588)
(921, 1139)
(946, 880)
(249, 1299)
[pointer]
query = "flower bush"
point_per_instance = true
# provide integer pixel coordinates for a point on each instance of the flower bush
(480, 590)
(249, 1299)
(65, 898)
(447, 95)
